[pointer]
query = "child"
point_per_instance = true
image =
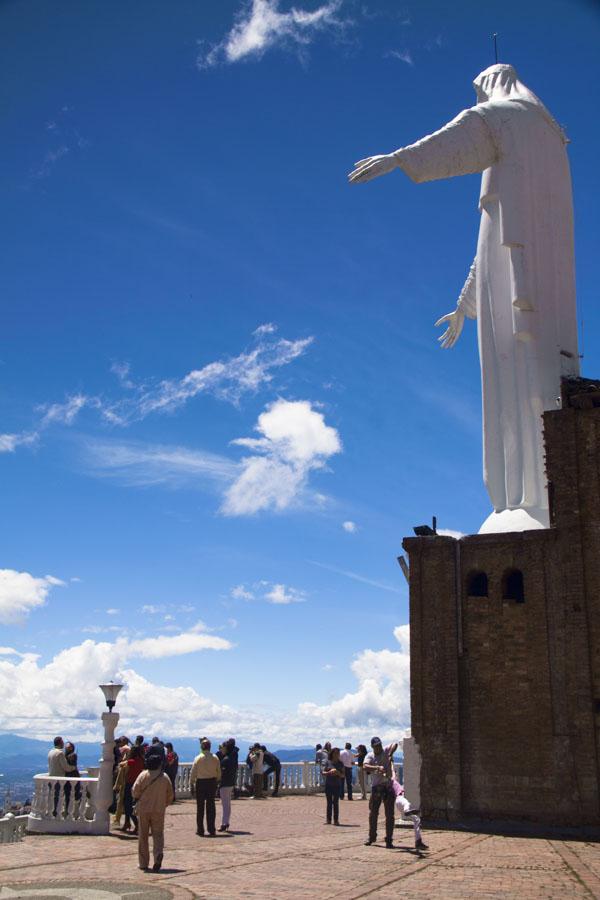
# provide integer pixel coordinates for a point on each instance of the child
(403, 807)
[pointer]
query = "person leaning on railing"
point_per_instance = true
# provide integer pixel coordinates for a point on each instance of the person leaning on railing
(57, 768)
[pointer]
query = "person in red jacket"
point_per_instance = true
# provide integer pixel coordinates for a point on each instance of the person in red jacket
(134, 765)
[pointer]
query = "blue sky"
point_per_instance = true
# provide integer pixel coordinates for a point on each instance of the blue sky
(185, 268)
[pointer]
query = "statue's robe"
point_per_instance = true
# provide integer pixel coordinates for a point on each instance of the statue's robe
(521, 286)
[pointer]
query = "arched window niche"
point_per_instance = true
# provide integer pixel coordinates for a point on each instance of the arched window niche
(512, 586)
(477, 584)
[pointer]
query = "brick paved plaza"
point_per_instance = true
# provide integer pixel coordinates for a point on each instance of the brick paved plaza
(281, 848)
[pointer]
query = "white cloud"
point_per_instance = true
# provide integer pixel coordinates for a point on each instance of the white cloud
(99, 629)
(281, 595)
(21, 592)
(380, 704)
(294, 440)
(350, 527)
(10, 442)
(277, 594)
(260, 26)
(174, 645)
(327, 667)
(267, 328)
(65, 698)
(112, 611)
(10, 651)
(239, 592)
(404, 55)
(152, 609)
(42, 700)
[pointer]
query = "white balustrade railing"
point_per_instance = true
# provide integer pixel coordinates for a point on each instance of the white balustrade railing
(296, 778)
(12, 828)
(63, 805)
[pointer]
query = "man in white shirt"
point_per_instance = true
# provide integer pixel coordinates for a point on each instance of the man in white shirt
(257, 760)
(57, 766)
(57, 761)
(347, 759)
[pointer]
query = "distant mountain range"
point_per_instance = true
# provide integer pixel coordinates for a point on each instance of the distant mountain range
(23, 756)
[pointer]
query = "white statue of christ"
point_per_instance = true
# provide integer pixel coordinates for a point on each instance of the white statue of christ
(521, 286)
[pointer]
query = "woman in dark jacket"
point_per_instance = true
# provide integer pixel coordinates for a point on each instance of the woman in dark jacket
(333, 770)
(72, 772)
(172, 764)
(229, 767)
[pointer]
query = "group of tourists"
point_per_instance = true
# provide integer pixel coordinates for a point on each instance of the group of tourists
(337, 771)
(130, 760)
(144, 785)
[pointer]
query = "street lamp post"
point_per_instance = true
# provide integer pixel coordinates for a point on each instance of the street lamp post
(104, 793)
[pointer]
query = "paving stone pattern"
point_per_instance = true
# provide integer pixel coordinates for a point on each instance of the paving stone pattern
(281, 848)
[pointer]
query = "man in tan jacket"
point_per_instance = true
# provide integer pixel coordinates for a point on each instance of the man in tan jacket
(153, 792)
(204, 778)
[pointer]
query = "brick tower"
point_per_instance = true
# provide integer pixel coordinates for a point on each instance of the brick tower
(505, 648)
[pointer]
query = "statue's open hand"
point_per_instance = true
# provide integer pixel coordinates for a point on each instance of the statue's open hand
(455, 322)
(372, 167)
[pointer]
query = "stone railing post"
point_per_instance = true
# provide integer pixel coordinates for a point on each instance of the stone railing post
(306, 777)
(104, 793)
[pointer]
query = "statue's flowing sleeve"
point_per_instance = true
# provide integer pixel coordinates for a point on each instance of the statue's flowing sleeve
(467, 301)
(463, 146)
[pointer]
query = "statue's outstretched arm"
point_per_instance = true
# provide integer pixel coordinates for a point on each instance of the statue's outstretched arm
(463, 146)
(466, 306)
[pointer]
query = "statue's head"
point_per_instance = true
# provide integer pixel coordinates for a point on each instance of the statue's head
(501, 82)
(495, 83)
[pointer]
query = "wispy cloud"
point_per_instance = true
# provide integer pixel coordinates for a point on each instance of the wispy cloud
(10, 442)
(65, 139)
(142, 464)
(356, 577)
(461, 409)
(276, 594)
(239, 592)
(227, 379)
(65, 413)
(122, 371)
(404, 56)
(435, 43)
(350, 527)
(261, 26)
(280, 595)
